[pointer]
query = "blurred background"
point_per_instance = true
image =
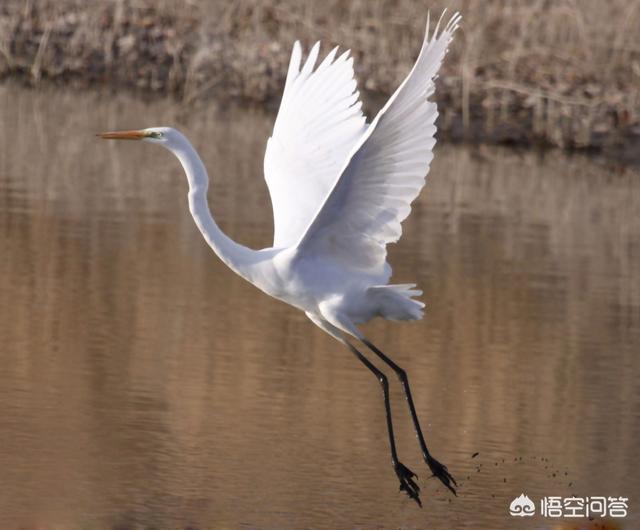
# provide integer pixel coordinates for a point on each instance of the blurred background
(558, 72)
(144, 386)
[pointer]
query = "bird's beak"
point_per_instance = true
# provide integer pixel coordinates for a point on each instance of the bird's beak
(123, 135)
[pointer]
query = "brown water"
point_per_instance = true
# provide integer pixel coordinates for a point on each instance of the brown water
(143, 385)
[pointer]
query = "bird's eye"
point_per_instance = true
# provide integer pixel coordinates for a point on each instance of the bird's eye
(155, 135)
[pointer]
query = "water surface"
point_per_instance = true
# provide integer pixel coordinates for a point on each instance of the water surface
(142, 383)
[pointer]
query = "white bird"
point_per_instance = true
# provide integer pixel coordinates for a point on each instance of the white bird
(340, 189)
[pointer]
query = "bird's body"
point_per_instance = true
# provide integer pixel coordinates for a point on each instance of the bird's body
(340, 190)
(329, 292)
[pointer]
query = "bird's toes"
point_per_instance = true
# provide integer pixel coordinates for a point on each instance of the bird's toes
(407, 482)
(440, 471)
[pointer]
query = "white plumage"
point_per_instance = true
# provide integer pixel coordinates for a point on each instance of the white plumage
(384, 171)
(318, 123)
(340, 190)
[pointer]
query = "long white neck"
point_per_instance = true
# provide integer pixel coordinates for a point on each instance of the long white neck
(238, 257)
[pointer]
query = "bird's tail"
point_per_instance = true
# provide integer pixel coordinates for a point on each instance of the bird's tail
(395, 302)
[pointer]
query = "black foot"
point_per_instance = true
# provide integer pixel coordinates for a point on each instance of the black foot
(440, 471)
(407, 484)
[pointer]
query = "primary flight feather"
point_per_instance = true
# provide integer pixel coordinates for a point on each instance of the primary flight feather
(318, 122)
(340, 190)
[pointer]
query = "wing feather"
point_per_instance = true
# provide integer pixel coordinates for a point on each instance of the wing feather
(384, 171)
(319, 121)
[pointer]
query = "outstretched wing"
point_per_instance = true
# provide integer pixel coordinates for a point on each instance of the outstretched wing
(385, 172)
(318, 123)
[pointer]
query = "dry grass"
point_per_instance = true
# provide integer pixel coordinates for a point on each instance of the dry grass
(562, 72)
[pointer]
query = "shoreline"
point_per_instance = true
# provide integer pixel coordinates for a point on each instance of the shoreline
(240, 53)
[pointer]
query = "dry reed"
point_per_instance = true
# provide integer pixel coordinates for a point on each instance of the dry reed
(560, 72)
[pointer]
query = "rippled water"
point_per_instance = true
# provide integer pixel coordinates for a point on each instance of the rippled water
(143, 385)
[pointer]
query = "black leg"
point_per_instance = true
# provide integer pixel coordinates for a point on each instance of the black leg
(439, 470)
(405, 475)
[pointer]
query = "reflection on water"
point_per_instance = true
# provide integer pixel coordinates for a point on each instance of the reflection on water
(141, 382)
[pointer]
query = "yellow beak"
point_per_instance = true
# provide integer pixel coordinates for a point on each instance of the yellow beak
(123, 135)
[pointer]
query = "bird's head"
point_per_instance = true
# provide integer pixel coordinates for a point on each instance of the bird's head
(165, 136)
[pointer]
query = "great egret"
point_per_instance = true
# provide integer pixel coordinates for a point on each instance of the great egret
(340, 189)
